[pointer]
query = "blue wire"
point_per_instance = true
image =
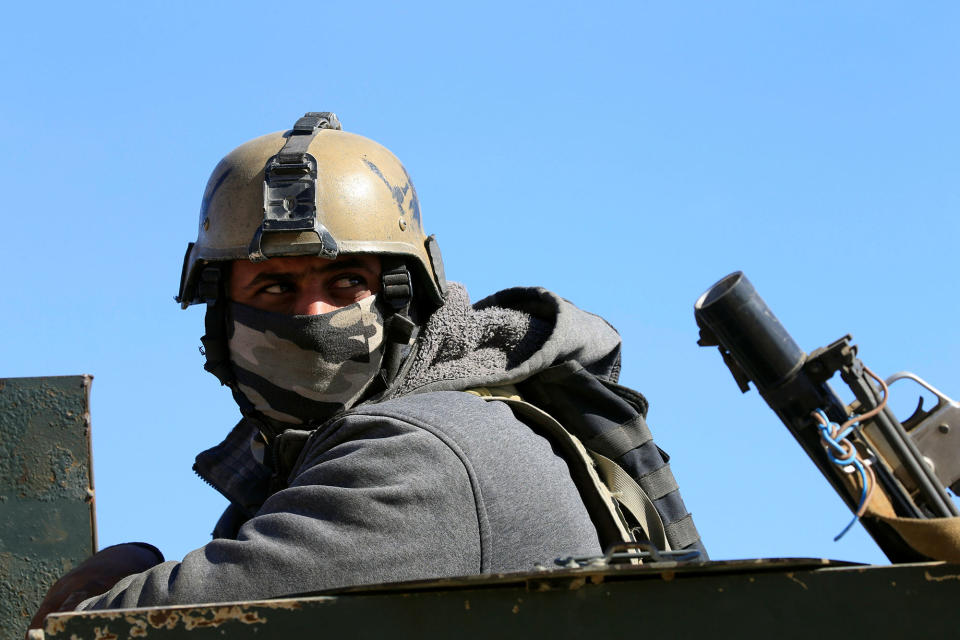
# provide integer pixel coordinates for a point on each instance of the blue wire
(850, 459)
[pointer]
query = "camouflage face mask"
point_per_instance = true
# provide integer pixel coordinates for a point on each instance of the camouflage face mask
(303, 369)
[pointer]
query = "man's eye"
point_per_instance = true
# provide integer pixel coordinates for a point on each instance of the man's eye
(276, 289)
(348, 282)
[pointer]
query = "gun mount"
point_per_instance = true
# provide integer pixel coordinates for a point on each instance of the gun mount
(867, 436)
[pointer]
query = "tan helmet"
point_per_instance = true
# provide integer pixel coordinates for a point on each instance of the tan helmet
(314, 190)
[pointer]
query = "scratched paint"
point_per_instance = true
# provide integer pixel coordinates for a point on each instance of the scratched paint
(106, 625)
(224, 169)
(932, 578)
(399, 193)
(46, 497)
(718, 599)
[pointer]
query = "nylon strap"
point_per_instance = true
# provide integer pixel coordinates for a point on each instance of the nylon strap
(634, 499)
(659, 483)
(611, 526)
(682, 533)
(295, 148)
(215, 350)
(626, 437)
(396, 289)
(936, 538)
(396, 286)
(610, 481)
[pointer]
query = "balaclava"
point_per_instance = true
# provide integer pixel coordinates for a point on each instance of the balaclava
(300, 370)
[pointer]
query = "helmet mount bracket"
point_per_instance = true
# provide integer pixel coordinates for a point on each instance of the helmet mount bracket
(290, 189)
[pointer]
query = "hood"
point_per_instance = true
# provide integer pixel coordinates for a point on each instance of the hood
(504, 339)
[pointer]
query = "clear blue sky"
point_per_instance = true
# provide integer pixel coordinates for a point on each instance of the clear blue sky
(626, 155)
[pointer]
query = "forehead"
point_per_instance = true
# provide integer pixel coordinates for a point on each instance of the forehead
(245, 270)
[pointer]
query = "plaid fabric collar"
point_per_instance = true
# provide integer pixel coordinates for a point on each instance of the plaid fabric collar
(232, 469)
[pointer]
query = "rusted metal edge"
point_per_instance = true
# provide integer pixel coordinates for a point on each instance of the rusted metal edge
(189, 617)
(91, 492)
(791, 598)
(543, 578)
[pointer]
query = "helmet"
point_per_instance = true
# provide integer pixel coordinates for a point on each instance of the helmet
(315, 190)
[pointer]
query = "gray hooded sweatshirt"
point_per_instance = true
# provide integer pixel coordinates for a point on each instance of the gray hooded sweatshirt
(424, 482)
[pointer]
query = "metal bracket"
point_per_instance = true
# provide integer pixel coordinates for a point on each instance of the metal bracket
(709, 339)
(290, 188)
(629, 552)
(822, 363)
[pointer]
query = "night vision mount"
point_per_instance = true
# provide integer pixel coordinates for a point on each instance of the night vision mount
(290, 188)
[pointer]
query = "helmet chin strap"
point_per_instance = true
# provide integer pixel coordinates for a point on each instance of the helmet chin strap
(214, 289)
(396, 290)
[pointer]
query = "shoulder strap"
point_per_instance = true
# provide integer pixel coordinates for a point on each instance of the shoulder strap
(610, 420)
(607, 490)
(631, 496)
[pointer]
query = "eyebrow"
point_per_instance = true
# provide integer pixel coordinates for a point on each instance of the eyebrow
(272, 276)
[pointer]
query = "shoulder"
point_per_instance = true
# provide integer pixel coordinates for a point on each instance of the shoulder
(458, 421)
(526, 506)
(521, 483)
(465, 421)
(496, 447)
(444, 428)
(436, 408)
(481, 436)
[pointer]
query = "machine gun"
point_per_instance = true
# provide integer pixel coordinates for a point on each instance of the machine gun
(890, 474)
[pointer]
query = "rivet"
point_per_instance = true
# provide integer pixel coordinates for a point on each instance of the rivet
(403, 224)
(944, 428)
(206, 224)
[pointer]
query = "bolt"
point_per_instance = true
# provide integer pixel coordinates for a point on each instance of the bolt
(403, 224)
(943, 428)
(206, 224)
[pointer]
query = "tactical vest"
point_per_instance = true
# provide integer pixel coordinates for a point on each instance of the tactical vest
(600, 429)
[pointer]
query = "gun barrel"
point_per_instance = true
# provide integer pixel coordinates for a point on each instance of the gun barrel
(744, 324)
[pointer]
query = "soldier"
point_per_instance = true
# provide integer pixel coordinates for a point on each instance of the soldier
(359, 458)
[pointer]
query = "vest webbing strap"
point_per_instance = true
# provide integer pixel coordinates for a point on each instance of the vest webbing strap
(682, 532)
(616, 489)
(631, 496)
(659, 483)
(626, 437)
